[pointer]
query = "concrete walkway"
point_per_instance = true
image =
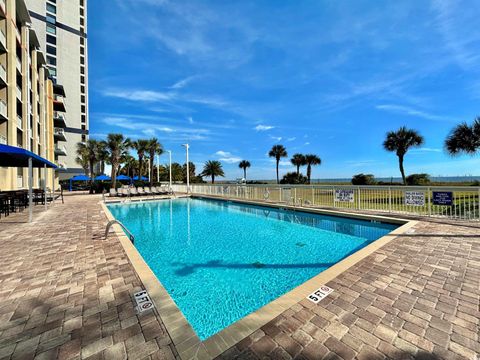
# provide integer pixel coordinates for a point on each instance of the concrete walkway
(67, 293)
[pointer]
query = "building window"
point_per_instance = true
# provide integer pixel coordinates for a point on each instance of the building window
(82, 89)
(82, 60)
(84, 119)
(52, 50)
(82, 50)
(82, 79)
(82, 70)
(51, 61)
(51, 8)
(50, 19)
(51, 29)
(83, 108)
(53, 71)
(51, 39)
(82, 22)
(82, 12)
(82, 41)
(84, 138)
(82, 98)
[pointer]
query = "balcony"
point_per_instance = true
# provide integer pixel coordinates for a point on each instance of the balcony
(3, 139)
(59, 120)
(19, 93)
(59, 105)
(3, 42)
(19, 122)
(3, 76)
(59, 134)
(3, 111)
(60, 150)
(19, 64)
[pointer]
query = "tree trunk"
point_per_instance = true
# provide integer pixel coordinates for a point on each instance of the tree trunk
(309, 172)
(402, 171)
(151, 169)
(298, 170)
(91, 176)
(114, 175)
(140, 167)
(245, 173)
(278, 181)
(213, 179)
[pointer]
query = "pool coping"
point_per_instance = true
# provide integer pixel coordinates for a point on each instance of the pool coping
(186, 341)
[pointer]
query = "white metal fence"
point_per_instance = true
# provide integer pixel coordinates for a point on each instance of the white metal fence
(461, 202)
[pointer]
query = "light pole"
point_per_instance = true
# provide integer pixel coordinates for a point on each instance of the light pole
(170, 169)
(188, 169)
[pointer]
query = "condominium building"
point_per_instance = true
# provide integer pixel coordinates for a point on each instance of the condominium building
(28, 98)
(61, 26)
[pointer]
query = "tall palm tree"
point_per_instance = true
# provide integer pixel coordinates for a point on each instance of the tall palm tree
(117, 146)
(244, 164)
(153, 148)
(311, 160)
(277, 152)
(141, 146)
(464, 138)
(400, 142)
(212, 168)
(103, 156)
(298, 160)
(130, 164)
(90, 150)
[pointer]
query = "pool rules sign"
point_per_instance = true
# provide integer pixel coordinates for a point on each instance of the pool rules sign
(319, 294)
(143, 301)
(415, 198)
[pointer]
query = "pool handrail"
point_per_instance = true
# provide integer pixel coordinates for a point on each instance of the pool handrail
(111, 222)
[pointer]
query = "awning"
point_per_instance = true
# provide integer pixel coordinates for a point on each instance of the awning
(80, 178)
(102, 178)
(12, 156)
(124, 178)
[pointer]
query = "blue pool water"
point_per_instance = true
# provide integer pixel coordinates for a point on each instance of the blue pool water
(220, 261)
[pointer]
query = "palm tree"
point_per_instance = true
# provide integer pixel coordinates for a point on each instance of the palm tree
(212, 168)
(82, 160)
(400, 142)
(103, 155)
(153, 148)
(141, 146)
(90, 150)
(244, 164)
(298, 160)
(311, 160)
(117, 146)
(130, 164)
(464, 138)
(277, 152)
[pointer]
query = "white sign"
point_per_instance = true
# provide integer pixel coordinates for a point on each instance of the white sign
(319, 294)
(345, 195)
(143, 301)
(415, 198)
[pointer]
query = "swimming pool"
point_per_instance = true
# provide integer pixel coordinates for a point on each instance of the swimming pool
(220, 261)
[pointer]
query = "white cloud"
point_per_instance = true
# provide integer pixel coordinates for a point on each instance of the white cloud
(276, 138)
(400, 109)
(263, 127)
(227, 157)
(291, 138)
(140, 95)
(182, 83)
(190, 120)
(426, 149)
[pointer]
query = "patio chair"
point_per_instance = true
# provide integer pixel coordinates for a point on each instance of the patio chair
(133, 191)
(113, 192)
(140, 191)
(158, 190)
(147, 191)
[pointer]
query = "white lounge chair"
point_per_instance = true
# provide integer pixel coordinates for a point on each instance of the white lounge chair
(133, 192)
(113, 192)
(140, 191)
(147, 191)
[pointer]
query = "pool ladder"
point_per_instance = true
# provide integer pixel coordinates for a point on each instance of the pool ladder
(111, 222)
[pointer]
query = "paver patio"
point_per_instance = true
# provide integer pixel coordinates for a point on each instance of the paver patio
(65, 292)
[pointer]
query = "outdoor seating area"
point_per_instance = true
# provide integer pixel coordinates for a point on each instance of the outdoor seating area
(18, 200)
(127, 191)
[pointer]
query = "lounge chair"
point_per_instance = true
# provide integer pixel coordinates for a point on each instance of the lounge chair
(113, 192)
(133, 192)
(140, 191)
(147, 191)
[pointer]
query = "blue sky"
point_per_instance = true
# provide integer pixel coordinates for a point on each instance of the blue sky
(233, 78)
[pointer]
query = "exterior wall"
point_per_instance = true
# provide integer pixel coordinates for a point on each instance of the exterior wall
(29, 115)
(70, 33)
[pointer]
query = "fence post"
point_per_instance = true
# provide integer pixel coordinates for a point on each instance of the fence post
(429, 203)
(389, 199)
(334, 204)
(295, 196)
(358, 200)
(313, 195)
(280, 194)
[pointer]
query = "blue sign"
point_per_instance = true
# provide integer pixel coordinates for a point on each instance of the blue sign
(443, 198)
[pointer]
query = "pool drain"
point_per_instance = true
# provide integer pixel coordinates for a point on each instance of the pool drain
(258, 265)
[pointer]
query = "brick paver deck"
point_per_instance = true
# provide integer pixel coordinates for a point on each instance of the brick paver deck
(65, 292)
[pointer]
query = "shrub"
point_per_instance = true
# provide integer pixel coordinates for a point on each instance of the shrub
(363, 179)
(418, 179)
(293, 178)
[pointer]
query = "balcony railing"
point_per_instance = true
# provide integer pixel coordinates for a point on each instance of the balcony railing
(3, 109)
(3, 39)
(19, 93)
(60, 150)
(59, 134)
(19, 122)
(3, 139)
(59, 120)
(19, 64)
(3, 73)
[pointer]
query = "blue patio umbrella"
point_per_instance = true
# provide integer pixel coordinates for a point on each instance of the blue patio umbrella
(78, 178)
(124, 178)
(143, 178)
(102, 178)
